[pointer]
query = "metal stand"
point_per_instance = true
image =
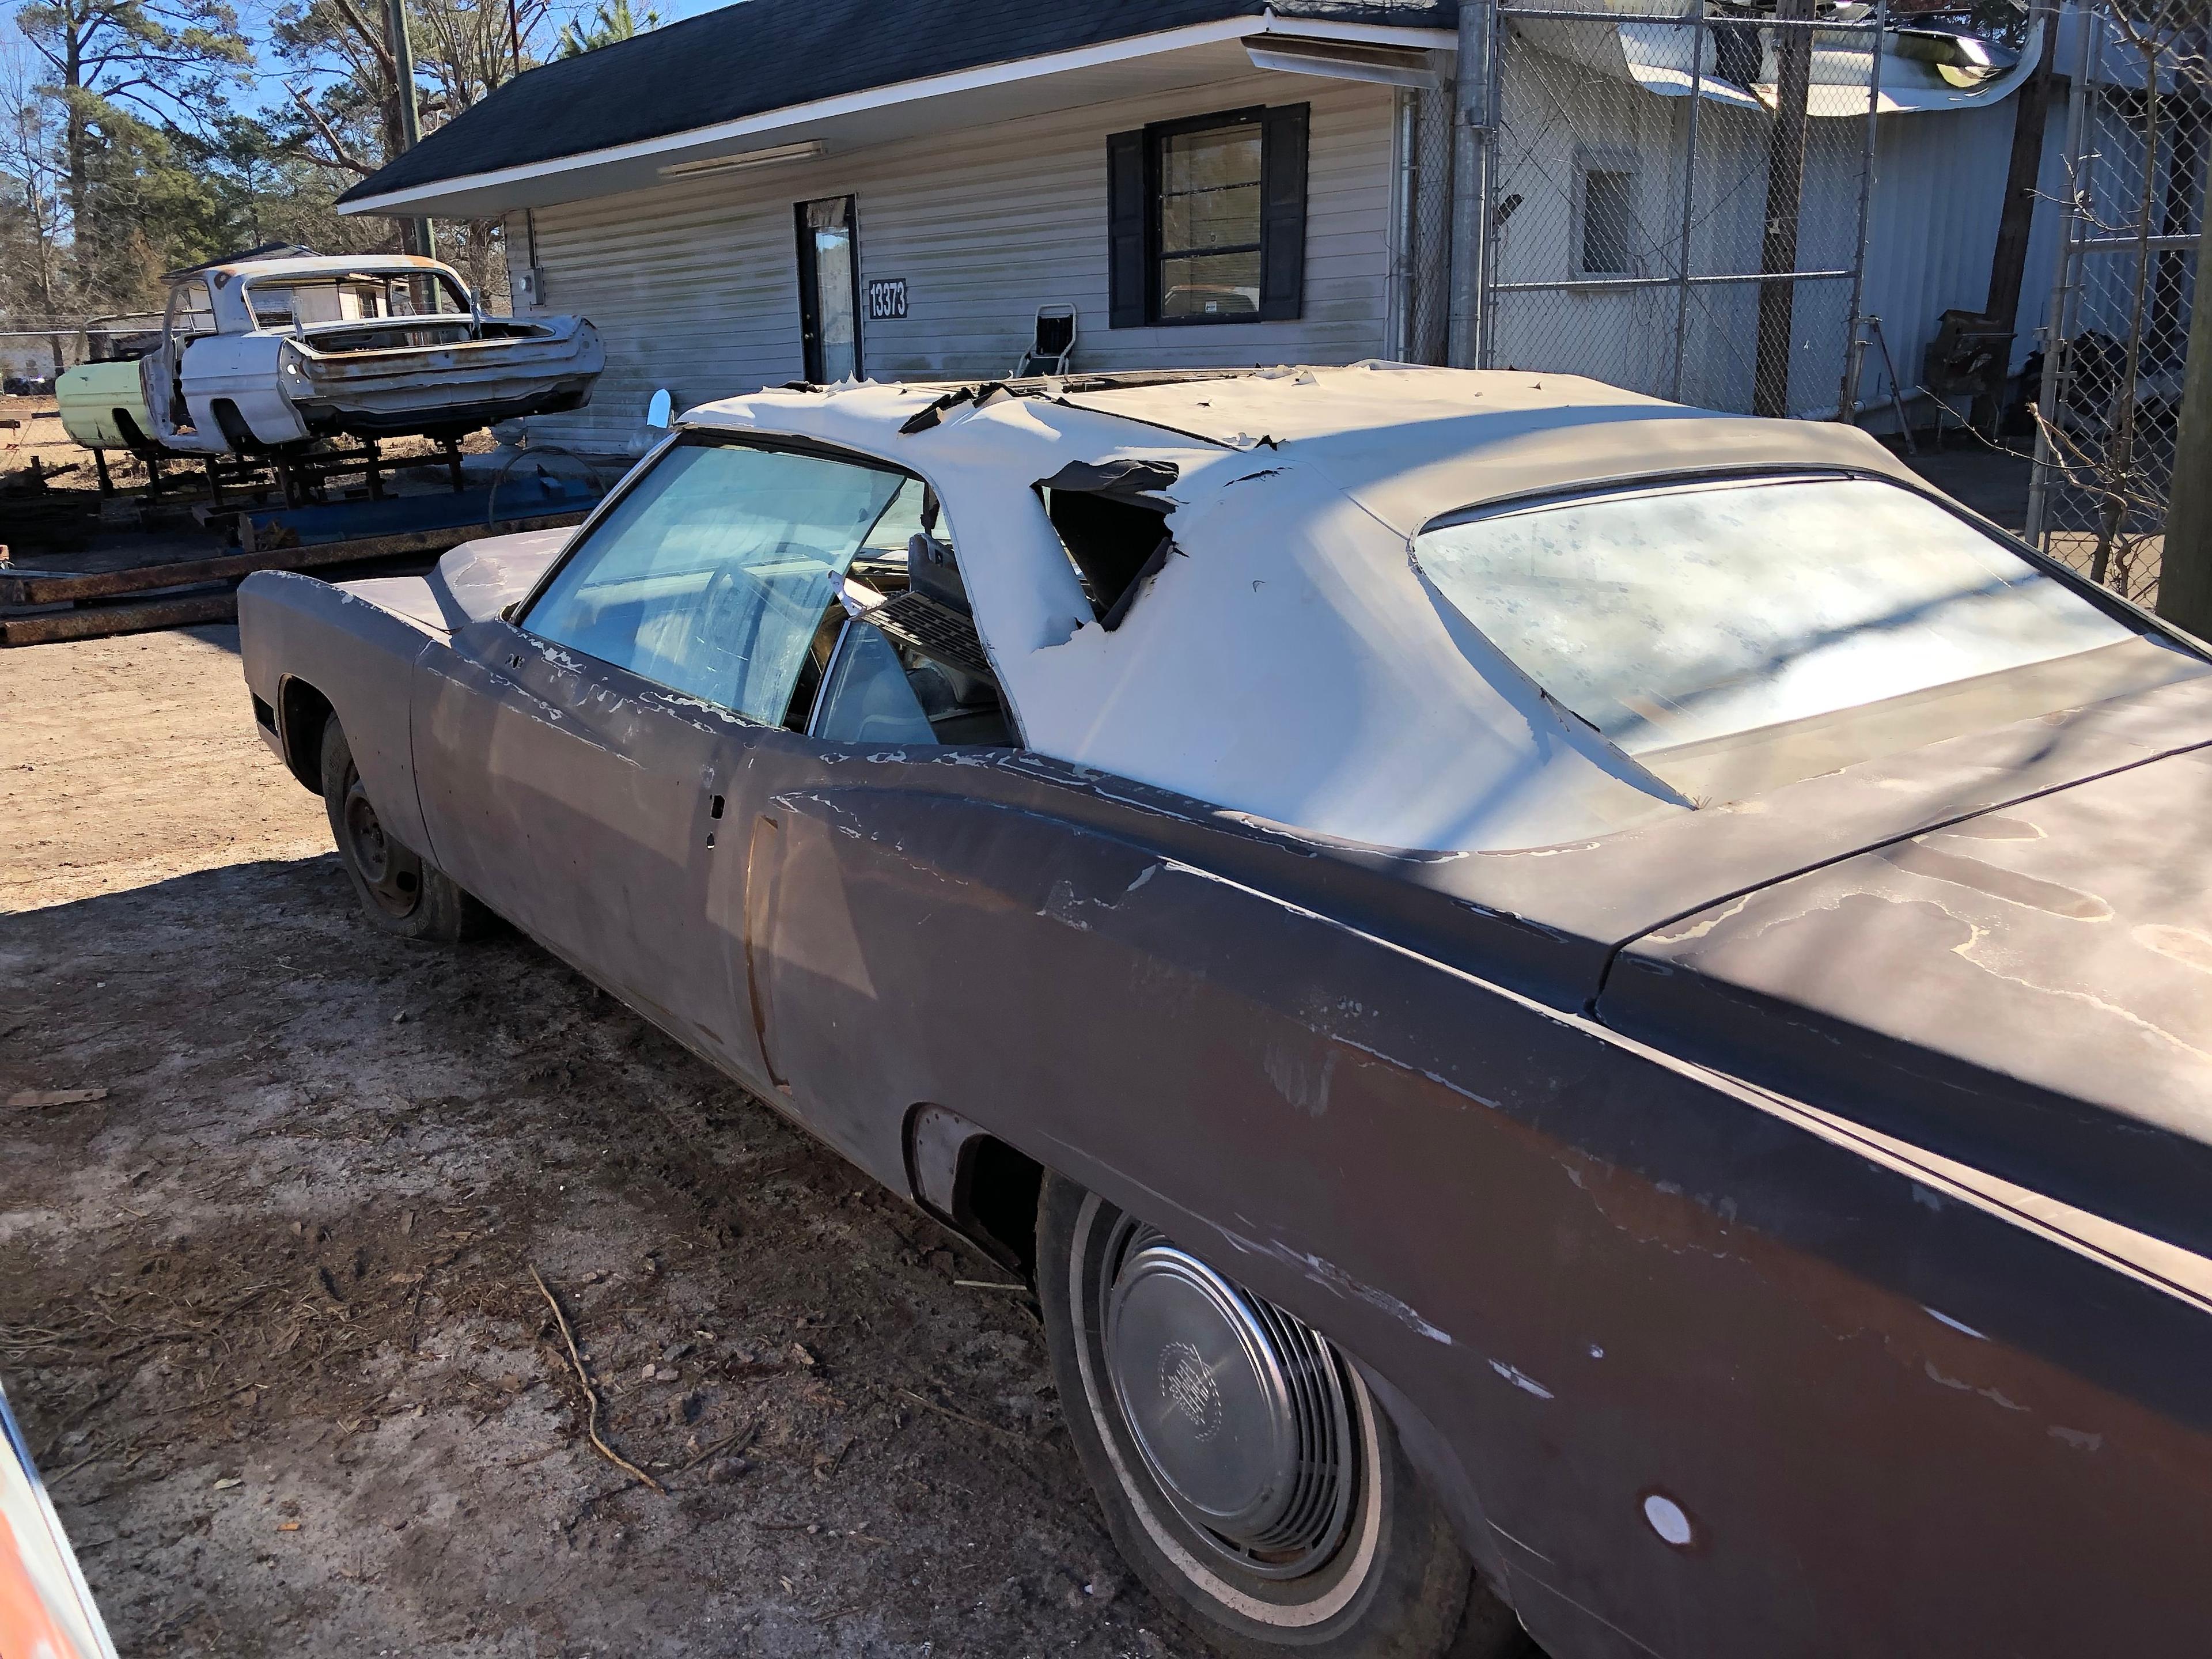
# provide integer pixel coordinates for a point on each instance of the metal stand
(1896, 392)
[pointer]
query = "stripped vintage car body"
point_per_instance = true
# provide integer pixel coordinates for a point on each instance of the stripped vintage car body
(45, 1610)
(1761, 1180)
(267, 353)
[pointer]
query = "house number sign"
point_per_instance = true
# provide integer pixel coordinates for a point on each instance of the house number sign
(886, 299)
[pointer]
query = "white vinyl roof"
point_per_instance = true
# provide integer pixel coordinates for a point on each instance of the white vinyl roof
(1292, 663)
(303, 267)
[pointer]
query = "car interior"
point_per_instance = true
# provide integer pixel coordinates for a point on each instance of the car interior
(825, 594)
(896, 659)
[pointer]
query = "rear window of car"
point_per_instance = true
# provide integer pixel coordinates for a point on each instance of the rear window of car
(1685, 613)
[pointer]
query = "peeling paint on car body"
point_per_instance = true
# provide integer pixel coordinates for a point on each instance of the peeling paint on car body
(1878, 1191)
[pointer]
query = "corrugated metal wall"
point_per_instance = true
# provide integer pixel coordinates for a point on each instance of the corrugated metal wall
(695, 285)
(1939, 193)
(1937, 198)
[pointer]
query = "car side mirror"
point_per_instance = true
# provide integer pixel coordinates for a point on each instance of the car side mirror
(660, 409)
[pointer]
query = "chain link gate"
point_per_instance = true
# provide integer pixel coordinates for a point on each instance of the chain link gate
(1678, 203)
(2138, 135)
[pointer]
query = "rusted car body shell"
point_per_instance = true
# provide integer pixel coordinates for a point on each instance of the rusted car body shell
(1593, 1173)
(228, 376)
(517, 369)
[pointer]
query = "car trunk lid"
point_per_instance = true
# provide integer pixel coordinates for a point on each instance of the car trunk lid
(2025, 989)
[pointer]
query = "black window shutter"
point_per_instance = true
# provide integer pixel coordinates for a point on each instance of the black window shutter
(1283, 213)
(1127, 279)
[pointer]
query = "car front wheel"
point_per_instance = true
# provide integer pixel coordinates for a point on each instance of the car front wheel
(401, 892)
(1246, 1474)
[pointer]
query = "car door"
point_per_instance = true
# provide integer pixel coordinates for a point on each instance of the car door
(575, 764)
(190, 318)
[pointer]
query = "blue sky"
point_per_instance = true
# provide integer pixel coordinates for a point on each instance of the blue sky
(267, 86)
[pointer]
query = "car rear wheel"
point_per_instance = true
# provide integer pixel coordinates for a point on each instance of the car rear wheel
(401, 892)
(1246, 1474)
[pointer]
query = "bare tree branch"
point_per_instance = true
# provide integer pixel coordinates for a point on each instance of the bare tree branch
(372, 37)
(346, 160)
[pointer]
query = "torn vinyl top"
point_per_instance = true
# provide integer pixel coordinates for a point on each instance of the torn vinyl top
(1287, 661)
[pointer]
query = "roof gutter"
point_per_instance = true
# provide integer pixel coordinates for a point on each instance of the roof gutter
(1338, 58)
(1374, 38)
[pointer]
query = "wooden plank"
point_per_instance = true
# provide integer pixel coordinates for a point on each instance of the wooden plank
(99, 622)
(106, 584)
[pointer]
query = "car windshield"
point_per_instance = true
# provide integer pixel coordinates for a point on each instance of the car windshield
(713, 575)
(1681, 614)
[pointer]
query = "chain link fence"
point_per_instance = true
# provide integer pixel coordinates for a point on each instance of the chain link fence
(1678, 202)
(34, 352)
(2138, 138)
(1425, 135)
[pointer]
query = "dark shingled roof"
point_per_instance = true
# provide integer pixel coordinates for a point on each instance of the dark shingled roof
(761, 54)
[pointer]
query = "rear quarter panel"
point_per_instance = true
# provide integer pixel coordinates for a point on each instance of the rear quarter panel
(243, 368)
(361, 658)
(1899, 1419)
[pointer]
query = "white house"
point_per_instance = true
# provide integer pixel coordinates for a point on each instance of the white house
(808, 189)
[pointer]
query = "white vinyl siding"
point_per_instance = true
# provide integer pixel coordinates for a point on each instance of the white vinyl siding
(695, 287)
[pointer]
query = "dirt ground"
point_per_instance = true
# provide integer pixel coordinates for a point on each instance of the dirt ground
(272, 1220)
(37, 432)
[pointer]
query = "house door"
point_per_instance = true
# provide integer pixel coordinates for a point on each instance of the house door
(828, 290)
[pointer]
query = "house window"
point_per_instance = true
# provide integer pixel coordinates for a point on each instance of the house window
(1209, 222)
(1604, 217)
(1208, 219)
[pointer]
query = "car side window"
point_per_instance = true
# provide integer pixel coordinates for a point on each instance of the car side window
(908, 668)
(868, 698)
(190, 313)
(713, 575)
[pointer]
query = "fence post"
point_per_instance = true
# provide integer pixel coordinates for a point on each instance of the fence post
(1689, 197)
(1785, 194)
(1474, 135)
(2185, 572)
(1847, 395)
(2087, 24)
(1404, 216)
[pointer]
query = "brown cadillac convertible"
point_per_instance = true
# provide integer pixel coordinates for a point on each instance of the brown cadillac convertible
(1575, 1004)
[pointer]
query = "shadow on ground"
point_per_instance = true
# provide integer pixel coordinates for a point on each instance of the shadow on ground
(268, 1310)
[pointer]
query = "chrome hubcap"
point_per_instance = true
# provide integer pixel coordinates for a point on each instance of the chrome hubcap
(1239, 1410)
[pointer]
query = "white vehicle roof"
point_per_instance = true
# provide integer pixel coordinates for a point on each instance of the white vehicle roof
(1292, 663)
(320, 265)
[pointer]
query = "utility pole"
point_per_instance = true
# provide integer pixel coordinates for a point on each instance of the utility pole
(1475, 134)
(2185, 570)
(410, 119)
